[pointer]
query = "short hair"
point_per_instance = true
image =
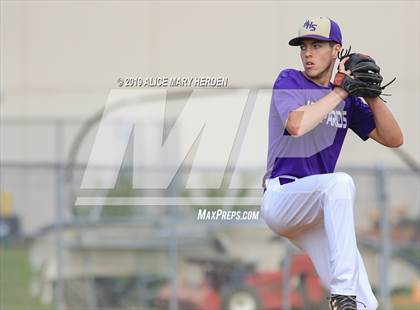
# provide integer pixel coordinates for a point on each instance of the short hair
(332, 43)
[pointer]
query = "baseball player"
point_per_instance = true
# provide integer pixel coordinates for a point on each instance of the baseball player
(304, 199)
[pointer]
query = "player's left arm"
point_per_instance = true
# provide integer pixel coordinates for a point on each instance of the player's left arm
(387, 131)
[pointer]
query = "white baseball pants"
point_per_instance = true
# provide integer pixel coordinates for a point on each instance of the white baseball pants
(316, 214)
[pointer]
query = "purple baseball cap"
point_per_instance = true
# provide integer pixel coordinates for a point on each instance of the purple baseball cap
(319, 28)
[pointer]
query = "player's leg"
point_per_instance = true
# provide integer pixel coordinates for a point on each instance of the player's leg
(290, 210)
(315, 243)
(338, 206)
(364, 290)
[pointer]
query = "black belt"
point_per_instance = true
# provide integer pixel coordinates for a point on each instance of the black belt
(285, 179)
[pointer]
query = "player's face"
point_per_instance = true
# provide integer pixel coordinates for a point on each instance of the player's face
(318, 57)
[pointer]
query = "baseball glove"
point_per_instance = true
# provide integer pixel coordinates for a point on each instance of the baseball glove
(365, 79)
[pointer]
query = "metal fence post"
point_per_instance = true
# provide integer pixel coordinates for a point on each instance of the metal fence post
(286, 275)
(174, 262)
(59, 203)
(384, 289)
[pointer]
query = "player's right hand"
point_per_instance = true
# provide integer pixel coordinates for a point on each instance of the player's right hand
(341, 67)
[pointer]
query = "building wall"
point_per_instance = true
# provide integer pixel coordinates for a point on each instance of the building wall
(60, 59)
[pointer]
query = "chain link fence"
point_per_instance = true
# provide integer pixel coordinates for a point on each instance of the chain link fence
(105, 256)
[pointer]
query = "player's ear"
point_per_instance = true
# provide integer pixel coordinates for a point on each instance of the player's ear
(336, 50)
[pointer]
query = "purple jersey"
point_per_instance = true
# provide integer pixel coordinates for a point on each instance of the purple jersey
(317, 151)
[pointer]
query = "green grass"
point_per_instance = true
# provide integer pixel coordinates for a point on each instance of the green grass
(15, 279)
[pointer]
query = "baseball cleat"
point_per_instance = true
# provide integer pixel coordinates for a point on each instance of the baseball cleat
(342, 302)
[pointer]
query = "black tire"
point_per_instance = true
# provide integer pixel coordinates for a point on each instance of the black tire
(240, 298)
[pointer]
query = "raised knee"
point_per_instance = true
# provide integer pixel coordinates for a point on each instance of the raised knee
(341, 186)
(344, 179)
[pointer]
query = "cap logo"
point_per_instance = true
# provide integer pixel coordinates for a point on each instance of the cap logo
(310, 25)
